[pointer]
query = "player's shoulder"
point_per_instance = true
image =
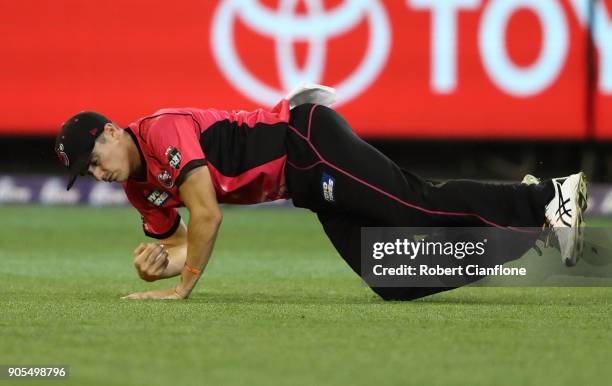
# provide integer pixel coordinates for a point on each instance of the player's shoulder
(166, 115)
(200, 118)
(163, 120)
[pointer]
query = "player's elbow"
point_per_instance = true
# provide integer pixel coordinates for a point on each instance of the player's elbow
(210, 217)
(216, 218)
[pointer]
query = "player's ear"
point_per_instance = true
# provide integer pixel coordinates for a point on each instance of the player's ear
(112, 131)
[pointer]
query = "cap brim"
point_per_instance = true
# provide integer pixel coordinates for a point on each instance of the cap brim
(71, 181)
(76, 169)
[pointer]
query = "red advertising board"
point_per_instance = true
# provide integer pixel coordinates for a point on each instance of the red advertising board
(410, 68)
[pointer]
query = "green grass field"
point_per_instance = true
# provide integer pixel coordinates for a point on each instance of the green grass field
(276, 306)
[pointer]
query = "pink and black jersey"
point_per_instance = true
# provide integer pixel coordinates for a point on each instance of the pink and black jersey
(245, 153)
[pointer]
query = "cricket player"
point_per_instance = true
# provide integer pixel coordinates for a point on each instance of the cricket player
(300, 150)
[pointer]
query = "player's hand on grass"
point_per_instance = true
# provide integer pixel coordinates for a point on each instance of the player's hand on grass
(150, 260)
(166, 294)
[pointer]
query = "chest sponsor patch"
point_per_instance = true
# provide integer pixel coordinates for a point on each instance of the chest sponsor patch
(328, 185)
(174, 157)
(165, 179)
(158, 198)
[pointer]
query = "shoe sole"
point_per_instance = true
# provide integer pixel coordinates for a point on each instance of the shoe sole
(578, 225)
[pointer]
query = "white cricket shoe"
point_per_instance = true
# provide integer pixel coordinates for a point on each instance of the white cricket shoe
(311, 93)
(564, 215)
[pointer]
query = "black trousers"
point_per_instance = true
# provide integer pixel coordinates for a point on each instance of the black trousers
(371, 190)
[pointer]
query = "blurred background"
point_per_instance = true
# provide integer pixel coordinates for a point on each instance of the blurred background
(447, 88)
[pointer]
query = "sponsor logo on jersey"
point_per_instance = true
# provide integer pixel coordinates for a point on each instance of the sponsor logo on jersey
(328, 184)
(174, 157)
(158, 198)
(165, 179)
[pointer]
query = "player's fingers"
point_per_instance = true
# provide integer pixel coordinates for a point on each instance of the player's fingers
(141, 295)
(134, 296)
(155, 271)
(148, 264)
(156, 268)
(162, 255)
(152, 252)
(143, 253)
(160, 263)
(139, 249)
(138, 259)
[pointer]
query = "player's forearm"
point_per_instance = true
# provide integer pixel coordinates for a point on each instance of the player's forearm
(201, 236)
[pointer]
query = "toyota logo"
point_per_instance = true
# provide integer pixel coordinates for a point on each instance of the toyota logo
(285, 27)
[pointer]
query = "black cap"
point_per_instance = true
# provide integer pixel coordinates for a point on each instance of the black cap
(76, 140)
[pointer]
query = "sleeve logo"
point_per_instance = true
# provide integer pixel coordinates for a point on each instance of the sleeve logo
(327, 184)
(174, 157)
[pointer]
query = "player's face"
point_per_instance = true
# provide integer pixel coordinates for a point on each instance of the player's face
(109, 159)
